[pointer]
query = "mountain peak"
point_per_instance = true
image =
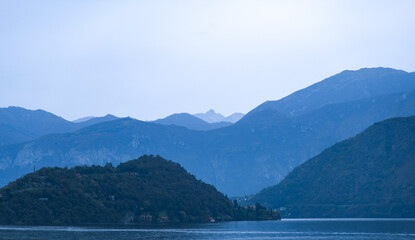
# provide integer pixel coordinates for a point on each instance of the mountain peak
(211, 111)
(345, 86)
(189, 121)
(213, 117)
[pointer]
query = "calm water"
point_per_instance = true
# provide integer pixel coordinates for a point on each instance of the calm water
(286, 229)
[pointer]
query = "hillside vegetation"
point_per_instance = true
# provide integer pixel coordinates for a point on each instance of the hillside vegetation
(370, 175)
(146, 190)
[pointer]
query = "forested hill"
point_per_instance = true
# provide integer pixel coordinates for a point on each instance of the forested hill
(148, 189)
(370, 175)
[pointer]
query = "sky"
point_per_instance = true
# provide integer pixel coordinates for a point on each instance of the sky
(150, 59)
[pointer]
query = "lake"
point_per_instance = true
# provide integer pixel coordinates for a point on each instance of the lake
(286, 229)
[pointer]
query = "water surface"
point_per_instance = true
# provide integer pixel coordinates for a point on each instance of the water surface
(342, 229)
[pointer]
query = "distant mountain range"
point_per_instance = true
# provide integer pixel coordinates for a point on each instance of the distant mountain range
(212, 117)
(370, 175)
(19, 124)
(190, 122)
(225, 157)
(83, 119)
(257, 151)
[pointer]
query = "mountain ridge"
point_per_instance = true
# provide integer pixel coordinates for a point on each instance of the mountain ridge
(212, 117)
(347, 85)
(369, 175)
(191, 122)
(240, 159)
(18, 124)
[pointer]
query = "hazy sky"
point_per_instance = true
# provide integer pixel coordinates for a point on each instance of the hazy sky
(149, 59)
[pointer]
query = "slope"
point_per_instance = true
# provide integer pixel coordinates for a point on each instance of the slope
(18, 124)
(370, 175)
(236, 159)
(148, 189)
(344, 87)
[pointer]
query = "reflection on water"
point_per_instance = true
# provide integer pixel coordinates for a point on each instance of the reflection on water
(286, 229)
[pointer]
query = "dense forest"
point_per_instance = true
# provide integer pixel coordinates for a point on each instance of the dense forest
(146, 190)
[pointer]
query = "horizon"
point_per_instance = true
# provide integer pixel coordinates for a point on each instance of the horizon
(149, 60)
(109, 114)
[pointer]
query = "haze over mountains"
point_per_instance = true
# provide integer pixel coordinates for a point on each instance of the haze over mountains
(83, 119)
(201, 121)
(255, 152)
(370, 175)
(190, 122)
(19, 124)
(212, 117)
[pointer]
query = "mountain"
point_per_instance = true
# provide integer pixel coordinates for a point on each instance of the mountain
(83, 119)
(257, 151)
(344, 87)
(23, 124)
(95, 120)
(369, 175)
(233, 118)
(18, 124)
(112, 141)
(190, 122)
(236, 159)
(212, 117)
(148, 189)
(338, 121)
